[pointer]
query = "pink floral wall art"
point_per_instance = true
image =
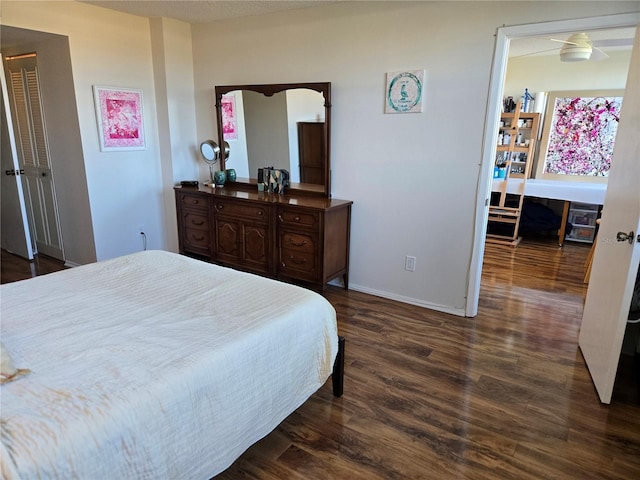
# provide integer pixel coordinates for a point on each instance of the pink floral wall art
(229, 121)
(582, 135)
(120, 121)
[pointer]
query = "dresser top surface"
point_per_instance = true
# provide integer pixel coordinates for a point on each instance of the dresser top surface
(271, 198)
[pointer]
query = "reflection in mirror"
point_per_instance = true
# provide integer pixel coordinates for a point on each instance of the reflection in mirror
(264, 131)
(286, 125)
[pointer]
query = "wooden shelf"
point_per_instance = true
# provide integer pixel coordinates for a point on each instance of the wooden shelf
(504, 217)
(504, 211)
(500, 239)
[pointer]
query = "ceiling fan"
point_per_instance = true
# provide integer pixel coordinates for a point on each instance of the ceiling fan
(579, 47)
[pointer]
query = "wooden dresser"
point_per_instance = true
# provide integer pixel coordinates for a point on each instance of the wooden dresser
(296, 238)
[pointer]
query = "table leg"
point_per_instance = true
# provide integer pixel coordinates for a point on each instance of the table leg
(563, 224)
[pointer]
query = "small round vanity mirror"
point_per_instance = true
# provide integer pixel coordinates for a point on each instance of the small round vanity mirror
(210, 152)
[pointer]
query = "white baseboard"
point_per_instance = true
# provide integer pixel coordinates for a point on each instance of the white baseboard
(460, 312)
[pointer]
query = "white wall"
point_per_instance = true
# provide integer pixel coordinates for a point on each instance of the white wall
(173, 77)
(125, 189)
(412, 177)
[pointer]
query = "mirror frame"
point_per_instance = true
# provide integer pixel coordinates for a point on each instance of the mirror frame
(269, 90)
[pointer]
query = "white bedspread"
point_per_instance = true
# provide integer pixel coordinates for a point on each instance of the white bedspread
(154, 365)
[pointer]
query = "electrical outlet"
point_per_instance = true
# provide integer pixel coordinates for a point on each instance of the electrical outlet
(410, 263)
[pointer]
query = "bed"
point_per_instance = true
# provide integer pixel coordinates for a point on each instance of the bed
(154, 365)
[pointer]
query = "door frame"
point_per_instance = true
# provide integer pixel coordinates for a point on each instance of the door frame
(496, 87)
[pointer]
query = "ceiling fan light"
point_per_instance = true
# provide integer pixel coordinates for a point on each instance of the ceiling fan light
(575, 54)
(576, 49)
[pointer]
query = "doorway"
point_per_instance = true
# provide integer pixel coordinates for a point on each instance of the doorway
(504, 36)
(594, 318)
(63, 141)
(34, 160)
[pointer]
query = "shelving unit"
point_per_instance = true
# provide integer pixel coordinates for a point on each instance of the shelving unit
(514, 159)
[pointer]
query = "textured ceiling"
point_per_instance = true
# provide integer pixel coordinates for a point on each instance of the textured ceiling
(202, 11)
(205, 11)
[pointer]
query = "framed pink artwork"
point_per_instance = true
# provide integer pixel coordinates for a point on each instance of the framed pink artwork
(229, 119)
(120, 120)
(580, 136)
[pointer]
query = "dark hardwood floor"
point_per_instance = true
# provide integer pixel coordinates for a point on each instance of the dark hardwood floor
(14, 268)
(428, 395)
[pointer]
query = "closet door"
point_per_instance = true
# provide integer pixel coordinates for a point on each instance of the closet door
(33, 155)
(14, 227)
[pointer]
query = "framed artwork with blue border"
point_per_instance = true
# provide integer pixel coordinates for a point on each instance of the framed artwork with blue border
(404, 91)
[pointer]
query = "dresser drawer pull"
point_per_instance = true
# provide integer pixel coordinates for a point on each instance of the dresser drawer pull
(198, 239)
(295, 219)
(299, 261)
(260, 213)
(201, 222)
(219, 206)
(297, 244)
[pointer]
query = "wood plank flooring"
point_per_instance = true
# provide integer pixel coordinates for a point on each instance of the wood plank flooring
(505, 395)
(428, 395)
(14, 268)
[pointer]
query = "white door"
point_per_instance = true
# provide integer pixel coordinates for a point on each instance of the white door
(14, 228)
(33, 155)
(615, 262)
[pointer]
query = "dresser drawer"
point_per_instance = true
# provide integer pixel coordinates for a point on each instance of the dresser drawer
(297, 242)
(198, 241)
(193, 201)
(291, 217)
(298, 264)
(239, 209)
(195, 220)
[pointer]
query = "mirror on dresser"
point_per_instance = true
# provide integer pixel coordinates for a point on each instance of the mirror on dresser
(286, 126)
